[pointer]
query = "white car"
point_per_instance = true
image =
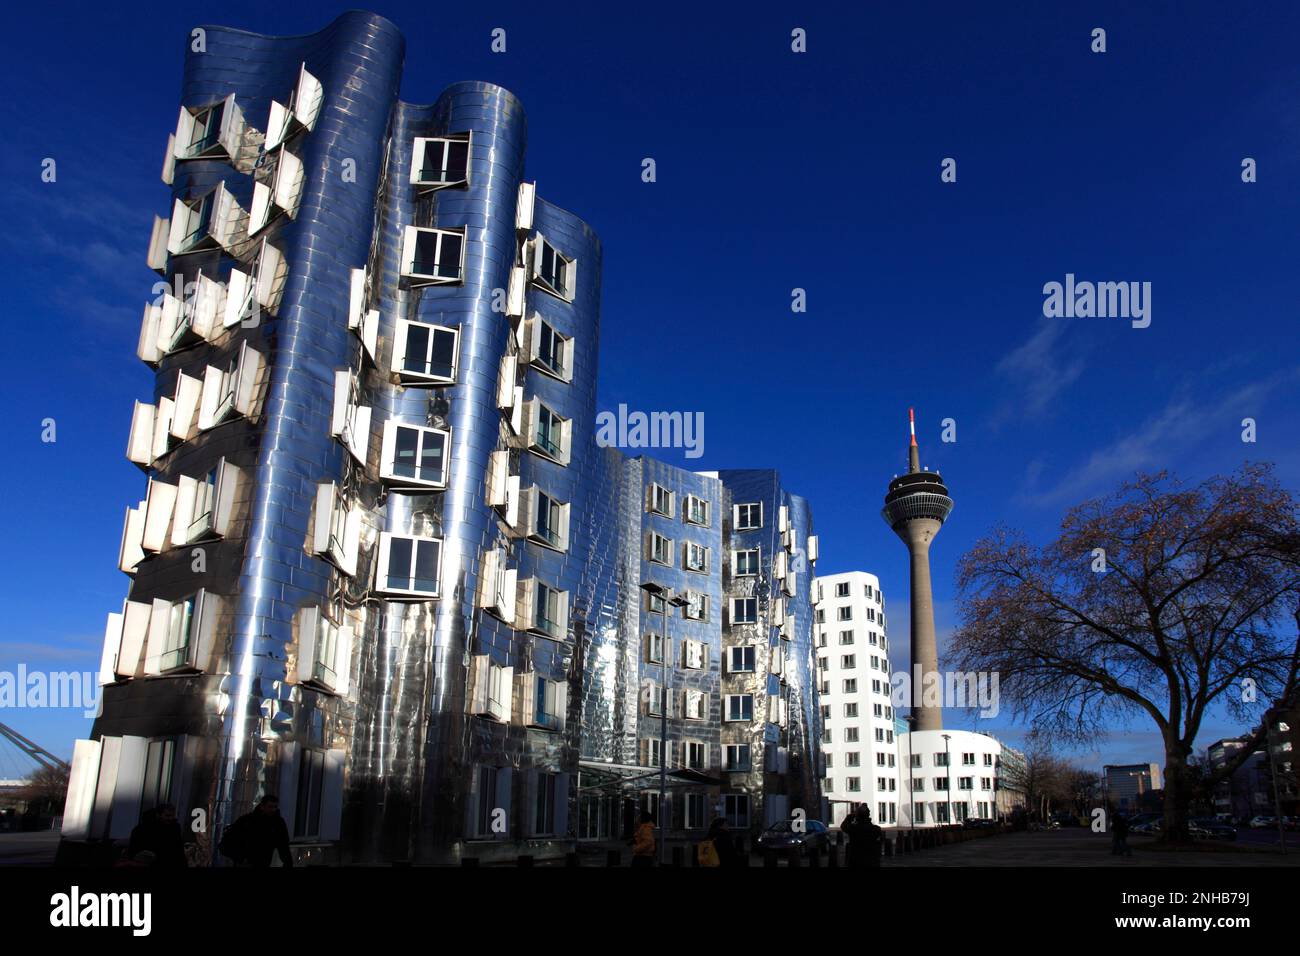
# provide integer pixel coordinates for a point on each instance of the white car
(1262, 822)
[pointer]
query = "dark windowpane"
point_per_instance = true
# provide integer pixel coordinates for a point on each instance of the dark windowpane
(431, 457)
(442, 361)
(399, 563)
(426, 566)
(457, 161)
(426, 254)
(449, 256)
(405, 446)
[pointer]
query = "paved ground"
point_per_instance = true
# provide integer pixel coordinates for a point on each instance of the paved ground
(1083, 848)
(28, 849)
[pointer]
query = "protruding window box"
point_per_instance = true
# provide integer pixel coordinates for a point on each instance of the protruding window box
(425, 354)
(233, 390)
(545, 519)
(433, 256)
(543, 703)
(547, 434)
(441, 161)
(181, 634)
(158, 239)
(184, 420)
(363, 320)
(279, 192)
(299, 116)
(157, 328)
(547, 350)
(335, 530)
(211, 221)
(414, 456)
(510, 397)
(324, 652)
(409, 566)
(350, 420)
(214, 131)
(527, 199)
(552, 271)
(543, 610)
(497, 586)
(213, 504)
(247, 293)
(515, 293)
(124, 640)
(160, 505)
(503, 492)
(814, 547)
(695, 510)
(695, 557)
(131, 551)
(491, 688)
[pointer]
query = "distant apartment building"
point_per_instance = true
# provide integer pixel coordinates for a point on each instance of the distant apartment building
(853, 673)
(1128, 784)
(1249, 789)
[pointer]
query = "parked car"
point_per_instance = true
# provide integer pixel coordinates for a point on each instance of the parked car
(1262, 822)
(978, 823)
(1138, 819)
(783, 838)
(1151, 827)
(1291, 823)
(1215, 829)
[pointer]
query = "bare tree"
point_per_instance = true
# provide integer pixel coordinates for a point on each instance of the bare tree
(1158, 600)
(46, 789)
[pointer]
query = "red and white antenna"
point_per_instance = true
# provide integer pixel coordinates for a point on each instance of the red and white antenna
(911, 422)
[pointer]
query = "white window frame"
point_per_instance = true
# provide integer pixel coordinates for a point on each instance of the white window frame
(739, 608)
(498, 585)
(659, 548)
(410, 242)
(660, 500)
(533, 514)
(533, 330)
(727, 709)
(699, 566)
(655, 648)
(350, 420)
(324, 651)
(532, 424)
(401, 338)
(419, 152)
(209, 511)
(733, 760)
(748, 506)
(300, 115)
(336, 529)
(192, 231)
(382, 586)
(694, 705)
(281, 195)
(732, 658)
(539, 245)
(388, 463)
(691, 508)
(694, 654)
(696, 607)
(225, 139)
(757, 556)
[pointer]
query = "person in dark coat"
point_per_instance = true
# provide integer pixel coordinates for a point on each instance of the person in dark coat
(724, 843)
(159, 834)
(254, 837)
(1119, 836)
(864, 838)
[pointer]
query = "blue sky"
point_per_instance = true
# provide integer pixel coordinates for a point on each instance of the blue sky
(775, 171)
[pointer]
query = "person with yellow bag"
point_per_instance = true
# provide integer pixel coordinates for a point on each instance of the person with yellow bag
(718, 848)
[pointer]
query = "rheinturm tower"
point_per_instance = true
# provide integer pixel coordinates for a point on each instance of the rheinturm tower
(916, 507)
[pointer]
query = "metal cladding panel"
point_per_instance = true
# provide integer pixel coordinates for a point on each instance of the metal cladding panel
(800, 738)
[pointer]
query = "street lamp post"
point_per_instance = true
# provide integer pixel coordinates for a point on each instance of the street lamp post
(666, 598)
(911, 781)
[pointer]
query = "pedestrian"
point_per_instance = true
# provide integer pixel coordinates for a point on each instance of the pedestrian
(719, 848)
(1119, 837)
(159, 834)
(255, 837)
(865, 838)
(643, 841)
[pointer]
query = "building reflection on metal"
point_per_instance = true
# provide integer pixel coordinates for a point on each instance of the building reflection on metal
(450, 652)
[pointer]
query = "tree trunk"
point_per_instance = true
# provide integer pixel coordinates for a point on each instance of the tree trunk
(1178, 793)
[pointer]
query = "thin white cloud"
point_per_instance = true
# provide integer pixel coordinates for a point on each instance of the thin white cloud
(1039, 370)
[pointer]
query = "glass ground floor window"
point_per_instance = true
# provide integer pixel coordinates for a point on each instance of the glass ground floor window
(736, 809)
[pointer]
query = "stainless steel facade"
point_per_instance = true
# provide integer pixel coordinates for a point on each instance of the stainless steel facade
(397, 723)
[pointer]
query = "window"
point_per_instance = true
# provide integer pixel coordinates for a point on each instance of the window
(433, 256)
(204, 223)
(159, 759)
(548, 704)
(852, 759)
(544, 804)
(850, 735)
(826, 689)
(654, 648)
(851, 686)
(350, 421)
(491, 783)
(214, 498)
(941, 760)
(830, 760)
(311, 783)
(823, 663)
(842, 590)
(918, 784)
(736, 809)
(205, 131)
(549, 520)
(748, 517)
(277, 190)
(744, 610)
(968, 760)
(941, 812)
(918, 812)
(880, 760)
(656, 698)
(324, 651)
(694, 705)
(491, 687)
(848, 661)
(425, 353)
(548, 350)
(661, 500)
(655, 603)
(661, 549)
(988, 760)
(877, 710)
(941, 783)
(441, 161)
(846, 637)
(746, 563)
(549, 611)
(844, 614)
(696, 511)
(414, 455)
(826, 711)
(694, 755)
(549, 435)
(553, 271)
(737, 757)
(498, 585)
(826, 735)
(300, 115)
(180, 633)
(696, 557)
(336, 529)
(965, 783)
(820, 616)
(740, 659)
(409, 564)
(986, 783)
(231, 390)
(850, 710)
(854, 785)
(697, 606)
(694, 655)
(740, 707)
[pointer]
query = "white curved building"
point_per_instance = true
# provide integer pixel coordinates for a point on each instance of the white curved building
(954, 777)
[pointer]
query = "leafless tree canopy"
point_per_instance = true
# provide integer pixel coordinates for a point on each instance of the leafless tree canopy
(1193, 605)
